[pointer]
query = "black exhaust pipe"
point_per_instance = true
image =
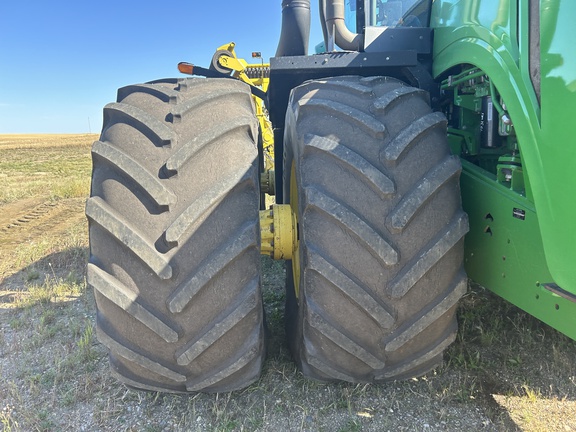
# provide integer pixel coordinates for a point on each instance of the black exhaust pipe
(295, 30)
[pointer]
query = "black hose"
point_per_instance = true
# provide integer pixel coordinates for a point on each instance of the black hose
(295, 28)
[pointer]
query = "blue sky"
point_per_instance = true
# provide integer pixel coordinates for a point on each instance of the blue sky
(62, 61)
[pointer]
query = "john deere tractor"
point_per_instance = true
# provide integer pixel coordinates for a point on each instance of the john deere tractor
(427, 142)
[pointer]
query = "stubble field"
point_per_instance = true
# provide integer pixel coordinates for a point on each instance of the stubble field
(505, 372)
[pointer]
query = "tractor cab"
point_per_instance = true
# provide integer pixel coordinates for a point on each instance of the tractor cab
(374, 25)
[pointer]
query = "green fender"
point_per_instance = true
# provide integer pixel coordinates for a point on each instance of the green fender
(482, 33)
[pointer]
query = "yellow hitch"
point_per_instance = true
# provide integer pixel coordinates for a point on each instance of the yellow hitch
(255, 74)
(279, 236)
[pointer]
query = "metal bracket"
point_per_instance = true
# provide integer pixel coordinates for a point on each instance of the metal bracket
(553, 288)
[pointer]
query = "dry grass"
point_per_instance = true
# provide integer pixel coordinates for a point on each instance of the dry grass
(506, 371)
(50, 166)
(42, 141)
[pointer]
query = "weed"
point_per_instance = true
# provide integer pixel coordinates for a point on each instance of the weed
(7, 420)
(69, 398)
(48, 317)
(228, 426)
(48, 378)
(38, 295)
(532, 394)
(44, 421)
(53, 289)
(85, 344)
(462, 357)
(17, 323)
(515, 361)
(75, 329)
(351, 426)
(32, 275)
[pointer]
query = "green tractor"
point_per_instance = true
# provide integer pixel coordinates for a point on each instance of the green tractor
(433, 146)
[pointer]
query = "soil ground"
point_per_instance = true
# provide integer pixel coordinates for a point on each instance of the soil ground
(505, 372)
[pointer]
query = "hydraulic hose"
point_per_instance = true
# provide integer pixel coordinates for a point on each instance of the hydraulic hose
(295, 30)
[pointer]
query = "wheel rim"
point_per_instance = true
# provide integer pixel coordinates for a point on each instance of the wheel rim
(296, 252)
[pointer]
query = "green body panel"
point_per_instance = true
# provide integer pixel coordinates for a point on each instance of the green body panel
(503, 253)
(483, 33)
(557, 141)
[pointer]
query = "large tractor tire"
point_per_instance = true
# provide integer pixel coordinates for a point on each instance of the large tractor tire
(174, 236)
(373, 289)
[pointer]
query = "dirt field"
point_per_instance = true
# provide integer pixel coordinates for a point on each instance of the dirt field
(506, 371)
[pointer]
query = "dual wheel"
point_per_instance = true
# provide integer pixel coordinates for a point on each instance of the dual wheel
(175, 241)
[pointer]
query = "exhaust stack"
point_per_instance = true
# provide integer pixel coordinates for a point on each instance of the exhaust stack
(295, 28)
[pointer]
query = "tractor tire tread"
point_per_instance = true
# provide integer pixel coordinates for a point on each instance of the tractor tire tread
(380, 217)
(174, 237)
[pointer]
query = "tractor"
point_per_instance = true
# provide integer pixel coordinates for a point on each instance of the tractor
(426, 143)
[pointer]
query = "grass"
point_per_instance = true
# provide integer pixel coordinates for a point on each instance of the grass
(505, 371)
(6, 420)
(53, 289)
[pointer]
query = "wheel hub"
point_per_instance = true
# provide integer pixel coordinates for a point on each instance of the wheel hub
(278, 232)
